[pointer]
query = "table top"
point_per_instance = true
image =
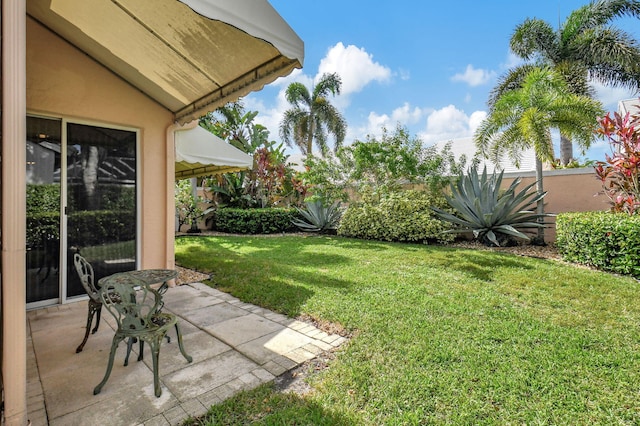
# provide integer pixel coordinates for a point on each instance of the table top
(148, 276)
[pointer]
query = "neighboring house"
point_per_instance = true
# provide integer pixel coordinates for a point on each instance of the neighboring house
(629, 106)
(467, 148)
(93, 92)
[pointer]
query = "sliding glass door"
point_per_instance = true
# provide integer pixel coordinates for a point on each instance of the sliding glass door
(101, 200)
(83, 200)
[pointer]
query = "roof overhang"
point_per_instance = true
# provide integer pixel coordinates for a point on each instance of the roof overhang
(191, 56)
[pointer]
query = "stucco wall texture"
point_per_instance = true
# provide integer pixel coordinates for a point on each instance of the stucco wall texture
(63, 82)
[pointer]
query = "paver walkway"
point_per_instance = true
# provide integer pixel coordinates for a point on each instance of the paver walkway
(234, 345)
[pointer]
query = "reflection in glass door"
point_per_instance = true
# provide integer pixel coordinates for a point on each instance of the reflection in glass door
(101, 200)
(43, 209)
(81, 197)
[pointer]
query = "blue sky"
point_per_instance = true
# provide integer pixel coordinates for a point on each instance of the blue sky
(428, 65)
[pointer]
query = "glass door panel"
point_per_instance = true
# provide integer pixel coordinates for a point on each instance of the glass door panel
(101, 200)
(43, 208)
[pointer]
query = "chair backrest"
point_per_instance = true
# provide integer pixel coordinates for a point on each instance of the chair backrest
(85, 272)
(132, 302)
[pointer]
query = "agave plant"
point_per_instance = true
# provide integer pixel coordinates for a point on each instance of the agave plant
(491, 213)
(317, 217)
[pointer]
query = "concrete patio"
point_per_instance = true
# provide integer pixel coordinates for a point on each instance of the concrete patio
(234, 345)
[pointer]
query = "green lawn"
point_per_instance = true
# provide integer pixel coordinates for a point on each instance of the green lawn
(441, 335)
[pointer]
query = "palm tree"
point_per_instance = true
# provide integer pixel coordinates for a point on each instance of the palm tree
(522, 118)
(312, 116)
(585, 48)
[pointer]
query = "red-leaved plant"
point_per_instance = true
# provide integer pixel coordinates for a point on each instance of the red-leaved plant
(620, 173)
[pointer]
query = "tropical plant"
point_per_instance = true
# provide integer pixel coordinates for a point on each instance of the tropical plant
(188, 205)
(620, 173)
(312, 116)
(318, 217)
(492, 214)
(229, 189)
(269, 176)
(387, 162)
(268, 182)
(231, 123)
(585, 48)
(522, 118)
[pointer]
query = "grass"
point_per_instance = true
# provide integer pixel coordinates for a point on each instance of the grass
(441, 335)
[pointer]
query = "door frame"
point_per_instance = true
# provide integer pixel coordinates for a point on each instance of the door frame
(62, 283)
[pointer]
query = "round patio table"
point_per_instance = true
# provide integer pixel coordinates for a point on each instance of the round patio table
(147, 276)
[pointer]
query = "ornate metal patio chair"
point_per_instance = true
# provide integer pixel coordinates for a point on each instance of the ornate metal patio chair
(135, 306)
(85, 272)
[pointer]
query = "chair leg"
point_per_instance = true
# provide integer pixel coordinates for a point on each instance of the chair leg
(141, 354)
(130, 343)
(98, 312)
(114, 345)
(155, 354)
(180, 345)
(90, 314)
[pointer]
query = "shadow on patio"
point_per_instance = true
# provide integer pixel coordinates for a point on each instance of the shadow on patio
(234, 345)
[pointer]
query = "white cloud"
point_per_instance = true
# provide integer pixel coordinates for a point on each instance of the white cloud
(475, 119)
(450, 123)
(609, 96)
(511, 61)
(405, 115)
(474, 77)
(404, 74)
(355, 67)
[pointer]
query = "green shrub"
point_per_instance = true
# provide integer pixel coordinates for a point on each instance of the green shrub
(404, 216)
(604, 240)
(43, 198)
(255, 221)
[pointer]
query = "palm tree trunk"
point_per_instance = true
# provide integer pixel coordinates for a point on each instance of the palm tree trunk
(90, 163)
(310, 135)
(539, 240)
(566, 150)
(310, 145)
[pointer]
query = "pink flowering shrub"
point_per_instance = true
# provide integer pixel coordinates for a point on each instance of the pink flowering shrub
(620, 173)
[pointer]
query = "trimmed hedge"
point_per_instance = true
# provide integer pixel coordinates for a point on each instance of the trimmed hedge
(43, 198)
(404, 216)
(99, 227)
(86, 228)
(255, 221)
(607, 241)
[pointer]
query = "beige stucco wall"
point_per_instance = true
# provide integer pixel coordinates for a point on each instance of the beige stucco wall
(568, 190)
(64, 82)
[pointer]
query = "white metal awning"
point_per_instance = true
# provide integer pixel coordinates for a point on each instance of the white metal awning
(191, 56)
(201, 153)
